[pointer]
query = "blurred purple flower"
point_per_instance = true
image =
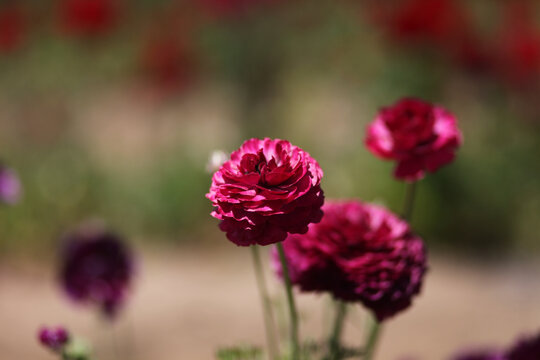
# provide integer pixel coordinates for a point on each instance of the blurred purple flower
(10, 186)
(97, 267)
(527, 348)
(358, 252)
(53, 338)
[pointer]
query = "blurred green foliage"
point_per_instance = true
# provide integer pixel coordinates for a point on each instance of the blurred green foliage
(314, 75)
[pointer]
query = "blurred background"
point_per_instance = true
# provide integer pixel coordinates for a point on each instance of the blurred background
(110, 109)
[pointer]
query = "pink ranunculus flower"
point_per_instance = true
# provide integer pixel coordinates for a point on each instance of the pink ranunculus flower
(267, 189)
(358, 253)
(418, 135)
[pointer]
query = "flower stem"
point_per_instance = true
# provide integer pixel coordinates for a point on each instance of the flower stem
(290, 300)
(267, 307)
(373, 337)
(408, 205)
(334, 343)
(375, 328)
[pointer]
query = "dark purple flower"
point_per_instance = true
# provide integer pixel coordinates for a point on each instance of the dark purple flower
(267, 189)
(53, 338)
(358, 252)
(10, 186)
(527, 348)
(97, 268)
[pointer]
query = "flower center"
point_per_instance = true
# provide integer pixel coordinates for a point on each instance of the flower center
(268, 172)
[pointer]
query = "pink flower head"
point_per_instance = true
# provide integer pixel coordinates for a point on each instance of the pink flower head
(418, 135)
(89, 18)
(267, 189)
(53, 338)
(358, 252)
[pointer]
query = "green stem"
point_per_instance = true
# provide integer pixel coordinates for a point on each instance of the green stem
(334, 343)
(290, 300)
(373, 337)
(375, 328)
(408, 205)
(267, 306)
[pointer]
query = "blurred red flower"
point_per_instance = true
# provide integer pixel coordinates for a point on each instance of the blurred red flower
(168, 62)
(441, 25)
(12, 27)
(518, 44)
(431, 22)
(89, 18)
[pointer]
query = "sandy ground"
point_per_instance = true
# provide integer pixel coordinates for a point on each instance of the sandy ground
(189, 302)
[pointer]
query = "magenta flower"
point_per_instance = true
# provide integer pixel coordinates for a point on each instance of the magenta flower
(267, 189)
(10, 186)
(525, 349)
(418, 135)
(53, 338)
(358, 252)
(97, 268)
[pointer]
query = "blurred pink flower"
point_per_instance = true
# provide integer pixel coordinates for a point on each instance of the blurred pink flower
(267, 189)
(10, 186)
(418, 135)
(358, 252)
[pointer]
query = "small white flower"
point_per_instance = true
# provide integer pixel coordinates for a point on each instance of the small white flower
(217, 158)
